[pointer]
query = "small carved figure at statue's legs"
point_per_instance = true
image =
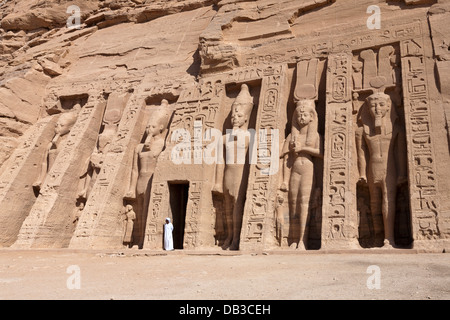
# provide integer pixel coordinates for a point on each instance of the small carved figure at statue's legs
(279, 218)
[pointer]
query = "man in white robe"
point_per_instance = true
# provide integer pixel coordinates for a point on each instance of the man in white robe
(168, 239)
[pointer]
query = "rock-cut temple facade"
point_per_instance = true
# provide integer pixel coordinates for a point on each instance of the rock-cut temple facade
(252, 125)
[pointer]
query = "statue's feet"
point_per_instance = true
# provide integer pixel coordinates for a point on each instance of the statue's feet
(301, 246)
(293, 246)
(388, 244)
(234, 247)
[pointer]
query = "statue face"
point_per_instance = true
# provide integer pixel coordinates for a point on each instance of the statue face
(304, 117)
(379, 107)
(63, 126)
(304, 112)
(238, 117)
(151, 129)
(154, 128)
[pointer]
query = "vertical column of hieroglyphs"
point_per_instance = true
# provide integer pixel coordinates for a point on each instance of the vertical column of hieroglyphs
(100, 222)
(259, 205)
(339, 225)
(192, 228)
(57, 192)
(18, 175)
(159, 203)
(421, 159)
(199, 222)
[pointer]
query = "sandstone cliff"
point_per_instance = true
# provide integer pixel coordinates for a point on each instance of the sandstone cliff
(159, 49)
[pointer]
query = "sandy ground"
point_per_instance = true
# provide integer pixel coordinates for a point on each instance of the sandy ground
(124, 275)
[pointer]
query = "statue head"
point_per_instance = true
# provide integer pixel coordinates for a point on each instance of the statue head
(305, 112)
(159, 120)
(379, 106)
(305, 115)
(242, 108)
(65, 122)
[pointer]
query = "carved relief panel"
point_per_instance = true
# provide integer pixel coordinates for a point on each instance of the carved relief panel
(257, 222)
(422, 165)
(339, 227)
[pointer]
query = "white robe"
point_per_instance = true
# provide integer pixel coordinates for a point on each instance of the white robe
(168, 239)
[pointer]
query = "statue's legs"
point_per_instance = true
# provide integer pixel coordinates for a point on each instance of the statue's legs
(228, 209)
(300, 188)
(238, 211)
(306, 185)
(138, 227)
(294, 186)
(389, 197)
(47, 163)
(376, 200)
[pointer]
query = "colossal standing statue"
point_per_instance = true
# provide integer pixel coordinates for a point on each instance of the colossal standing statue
(381, 149)
(144, 163)
(63, 126)
(302, 145)
(230, 177)
(110, 124)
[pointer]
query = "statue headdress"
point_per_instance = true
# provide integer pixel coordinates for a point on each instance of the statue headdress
(244, 100)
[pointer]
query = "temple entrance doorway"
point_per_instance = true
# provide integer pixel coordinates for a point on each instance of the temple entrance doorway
(179, 193)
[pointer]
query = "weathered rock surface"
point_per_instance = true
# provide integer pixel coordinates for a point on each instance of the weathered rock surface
(196, 55)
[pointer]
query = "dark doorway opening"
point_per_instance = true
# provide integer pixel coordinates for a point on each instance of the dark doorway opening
(179, 194)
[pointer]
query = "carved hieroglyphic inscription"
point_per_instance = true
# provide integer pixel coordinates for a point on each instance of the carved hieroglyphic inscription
(320, 48)
(158, 200)
(260, 201)
(338, 209)
(422, 171)
(193, 215)
(196, 111)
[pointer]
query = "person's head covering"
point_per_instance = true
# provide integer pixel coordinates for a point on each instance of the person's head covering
(168, 219)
